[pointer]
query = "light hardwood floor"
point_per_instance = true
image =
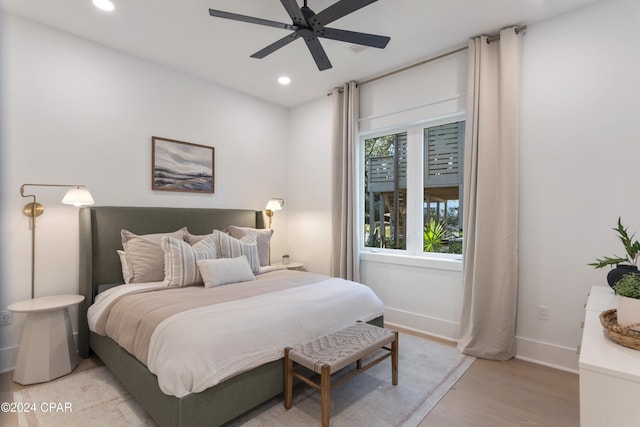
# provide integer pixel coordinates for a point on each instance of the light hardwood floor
(489, 394)
(511, 393)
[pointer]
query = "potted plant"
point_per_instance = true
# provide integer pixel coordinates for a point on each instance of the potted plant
(628, 296)
(626, 265)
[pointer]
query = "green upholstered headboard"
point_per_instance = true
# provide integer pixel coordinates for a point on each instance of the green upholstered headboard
(100, 239)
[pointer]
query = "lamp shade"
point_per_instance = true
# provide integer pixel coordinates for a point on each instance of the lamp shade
(274, 205)
(78, 197)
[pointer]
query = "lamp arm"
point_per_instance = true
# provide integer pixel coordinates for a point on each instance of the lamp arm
(33, 203)
(22, 191)
(48, 185)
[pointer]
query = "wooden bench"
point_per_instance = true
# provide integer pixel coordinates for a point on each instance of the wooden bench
(330, 353)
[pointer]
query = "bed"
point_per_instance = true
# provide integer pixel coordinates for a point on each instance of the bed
(100, 269)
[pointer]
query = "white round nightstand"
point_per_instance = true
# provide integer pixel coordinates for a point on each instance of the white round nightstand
(47, 349)
(292, 265)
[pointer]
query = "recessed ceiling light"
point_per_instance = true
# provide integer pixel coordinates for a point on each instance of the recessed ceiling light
(284, 80)
(104, 5)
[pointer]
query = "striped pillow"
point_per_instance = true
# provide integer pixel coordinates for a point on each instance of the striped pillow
(263, 239)
(228, 247)
(180, 268)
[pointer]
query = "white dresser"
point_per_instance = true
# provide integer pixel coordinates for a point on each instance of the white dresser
(609, 372)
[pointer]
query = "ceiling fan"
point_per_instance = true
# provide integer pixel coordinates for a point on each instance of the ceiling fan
(309, 26)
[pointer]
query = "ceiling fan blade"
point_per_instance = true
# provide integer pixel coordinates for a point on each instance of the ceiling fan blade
(365, 39)
(251, 19)
(294, 12)
(340, 9)
(275, 46)
(318, 53)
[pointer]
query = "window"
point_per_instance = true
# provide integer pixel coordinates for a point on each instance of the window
(385, 191)
(412, 188)
(443, 174)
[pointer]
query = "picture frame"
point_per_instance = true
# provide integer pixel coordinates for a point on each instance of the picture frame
(181, 166)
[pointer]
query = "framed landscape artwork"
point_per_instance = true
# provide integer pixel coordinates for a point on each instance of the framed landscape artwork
(181, 166)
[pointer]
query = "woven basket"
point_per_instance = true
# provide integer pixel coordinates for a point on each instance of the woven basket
(623, 335)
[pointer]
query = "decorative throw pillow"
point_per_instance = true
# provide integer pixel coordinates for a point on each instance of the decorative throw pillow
(216, 272)
(263, 239)
(144, 255)
(229, 247)
(127, 236)
(180, 268)
(192, 239)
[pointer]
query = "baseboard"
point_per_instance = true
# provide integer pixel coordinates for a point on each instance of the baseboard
(421, 324)
(547, 354)
(8, 357)
(539, 352)
(422, 334)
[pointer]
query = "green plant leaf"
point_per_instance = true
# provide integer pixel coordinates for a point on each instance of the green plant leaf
(434, 234)
(606, 261)
(631, 247)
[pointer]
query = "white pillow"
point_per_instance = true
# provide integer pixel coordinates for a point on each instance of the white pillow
(144, 255)
(216, 272)
(180, 258)
(228, 247)
(263, 239)
(126, 271)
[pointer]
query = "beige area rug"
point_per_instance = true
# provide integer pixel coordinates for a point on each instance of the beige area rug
(95, 397)
(427, 370)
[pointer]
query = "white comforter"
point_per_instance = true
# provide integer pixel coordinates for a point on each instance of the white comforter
(196, 349)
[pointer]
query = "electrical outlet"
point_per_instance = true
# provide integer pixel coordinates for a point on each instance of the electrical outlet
(543, 312)
(6, 318)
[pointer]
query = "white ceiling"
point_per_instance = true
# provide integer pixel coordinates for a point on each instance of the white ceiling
(181, 35)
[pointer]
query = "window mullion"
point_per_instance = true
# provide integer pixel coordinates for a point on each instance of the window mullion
(414, 192)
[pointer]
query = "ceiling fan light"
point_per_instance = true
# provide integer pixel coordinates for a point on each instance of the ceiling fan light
(284, 80)
(106, 5)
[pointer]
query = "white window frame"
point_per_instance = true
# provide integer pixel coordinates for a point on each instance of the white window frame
(413, 254)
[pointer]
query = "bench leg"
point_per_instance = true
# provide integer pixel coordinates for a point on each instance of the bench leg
(325, 394)
(394, 360)
(288, 379)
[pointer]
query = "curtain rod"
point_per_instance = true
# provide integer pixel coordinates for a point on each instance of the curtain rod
(417, 64)
(519, 29)
(408, 67)
(490, 39)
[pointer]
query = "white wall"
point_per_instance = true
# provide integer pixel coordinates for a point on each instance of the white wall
(309, 186)
(76, 112)
(579, 158)
(580, 147)
(419, 294)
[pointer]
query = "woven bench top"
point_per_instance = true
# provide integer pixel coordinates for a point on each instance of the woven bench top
(341, 348)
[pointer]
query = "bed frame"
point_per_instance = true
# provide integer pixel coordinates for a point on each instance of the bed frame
(100, 267)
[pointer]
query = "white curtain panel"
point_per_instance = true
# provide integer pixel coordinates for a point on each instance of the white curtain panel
(491, 188)
(345, 259)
